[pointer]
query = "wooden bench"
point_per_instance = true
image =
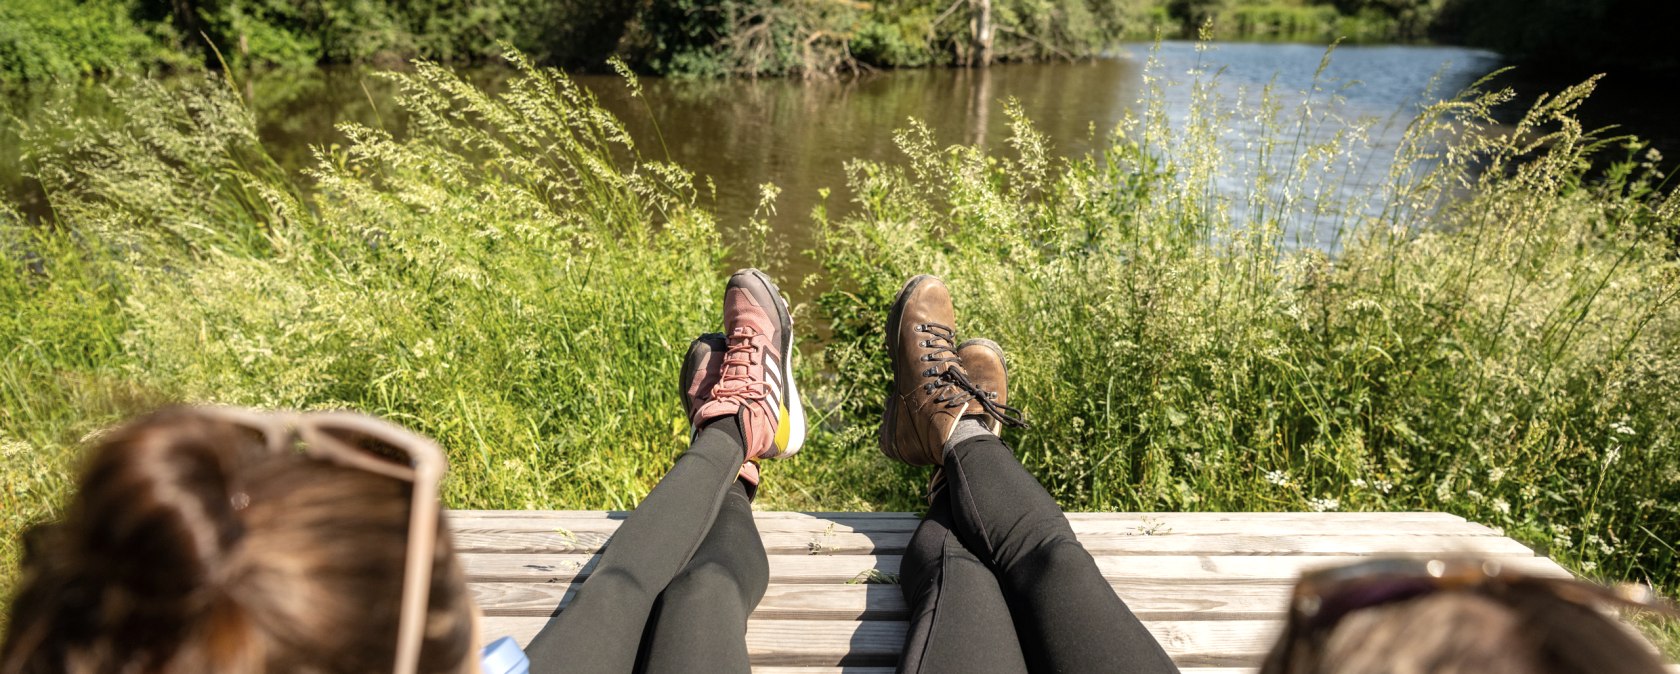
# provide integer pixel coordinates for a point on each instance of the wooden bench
(1211, 586)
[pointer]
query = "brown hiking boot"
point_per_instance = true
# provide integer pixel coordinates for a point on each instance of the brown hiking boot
(983, 363)
(985, 369)
(931, 389)
(921, 409)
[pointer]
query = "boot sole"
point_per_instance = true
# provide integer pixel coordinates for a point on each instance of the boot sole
(795, 409)
(712, 342)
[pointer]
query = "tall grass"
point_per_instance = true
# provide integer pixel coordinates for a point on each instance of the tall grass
(1494, 334)
(509, 277)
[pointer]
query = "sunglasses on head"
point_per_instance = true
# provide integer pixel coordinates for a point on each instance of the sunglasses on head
(359, 441)
(1323, 598)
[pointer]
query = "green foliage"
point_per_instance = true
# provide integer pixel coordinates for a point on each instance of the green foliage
(47, 40)
(1306, 20)
(816, 38)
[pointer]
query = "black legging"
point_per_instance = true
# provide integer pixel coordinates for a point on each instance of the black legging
(677, 581)
(997, 582)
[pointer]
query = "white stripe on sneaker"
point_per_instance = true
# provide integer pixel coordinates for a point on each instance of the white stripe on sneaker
(776, 377)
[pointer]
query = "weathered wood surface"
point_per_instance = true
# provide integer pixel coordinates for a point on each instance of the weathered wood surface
(1210, 586)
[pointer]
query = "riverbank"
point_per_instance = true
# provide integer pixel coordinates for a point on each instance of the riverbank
(1497, 339)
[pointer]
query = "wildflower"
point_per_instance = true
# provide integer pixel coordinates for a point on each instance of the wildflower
(1496, 474)
(1359, 482)
(1622, 427)
(10, 448)
(1502, 506)
(1277, 477)
(1612, 456)
(1588, 566)
(1319, 505)
(1384, 486)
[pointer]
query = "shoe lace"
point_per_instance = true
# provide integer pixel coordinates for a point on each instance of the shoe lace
(735, 381)
(942, 339)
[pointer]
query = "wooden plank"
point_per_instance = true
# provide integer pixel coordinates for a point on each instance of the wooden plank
(829, 643)
(1150, 600)
(1117, 526)
(1112, 523)
(890, 670)
(761, 515)
(788, 569)
(838, 543)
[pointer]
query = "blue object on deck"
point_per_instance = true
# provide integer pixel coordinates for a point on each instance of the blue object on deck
(503, 656)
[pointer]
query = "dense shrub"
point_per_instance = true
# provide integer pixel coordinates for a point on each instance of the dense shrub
(47, 40)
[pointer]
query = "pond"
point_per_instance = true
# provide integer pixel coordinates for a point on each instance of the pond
(799, 135)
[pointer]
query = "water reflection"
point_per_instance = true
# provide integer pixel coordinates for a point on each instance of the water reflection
(799, 134)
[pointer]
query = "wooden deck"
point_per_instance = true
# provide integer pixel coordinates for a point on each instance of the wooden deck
(1211, 586)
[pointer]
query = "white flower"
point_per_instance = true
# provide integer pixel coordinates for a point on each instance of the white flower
(1622, 427)
(12, 448)
(1359, 482)
(1277, 477)
(1613, 455)
(1319, 505)
(1385, 486)
(1496, 474)
(1503, 506)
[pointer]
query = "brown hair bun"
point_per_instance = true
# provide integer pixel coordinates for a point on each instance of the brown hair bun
(189, 548)
(135, 565)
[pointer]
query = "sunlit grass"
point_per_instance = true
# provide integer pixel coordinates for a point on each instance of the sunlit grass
(1491, 334)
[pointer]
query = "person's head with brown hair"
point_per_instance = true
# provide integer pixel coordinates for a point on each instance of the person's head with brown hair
(189, 547)
(1456, 617)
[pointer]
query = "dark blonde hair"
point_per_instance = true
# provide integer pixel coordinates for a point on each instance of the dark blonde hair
(189, 548)
(1460, 632)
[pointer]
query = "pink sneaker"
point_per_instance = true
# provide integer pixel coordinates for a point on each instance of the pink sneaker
(755, 381)
(701, 369)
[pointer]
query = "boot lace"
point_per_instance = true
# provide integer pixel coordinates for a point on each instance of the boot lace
(735, 381)
(951, 382)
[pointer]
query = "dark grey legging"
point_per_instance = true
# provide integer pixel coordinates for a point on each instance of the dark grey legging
(677, 581)
(997, 582)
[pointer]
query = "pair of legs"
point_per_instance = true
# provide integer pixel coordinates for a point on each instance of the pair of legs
(997, 582)
(676, 584)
